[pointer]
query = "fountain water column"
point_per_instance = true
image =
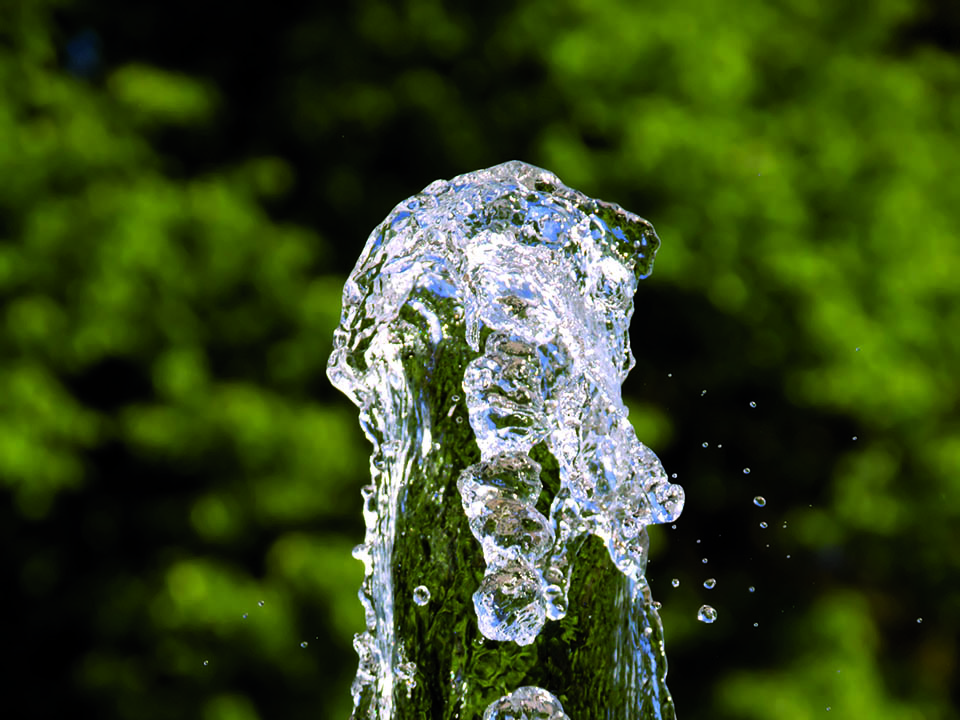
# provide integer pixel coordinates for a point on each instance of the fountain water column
(484, 338)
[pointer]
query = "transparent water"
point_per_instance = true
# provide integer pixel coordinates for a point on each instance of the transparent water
(484, 338)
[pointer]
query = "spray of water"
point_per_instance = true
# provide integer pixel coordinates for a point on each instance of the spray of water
(504, 555)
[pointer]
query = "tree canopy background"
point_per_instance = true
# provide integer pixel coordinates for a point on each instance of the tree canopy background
(185, 185)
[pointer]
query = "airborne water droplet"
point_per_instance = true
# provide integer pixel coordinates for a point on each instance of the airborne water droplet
(759, 501)
(303, 644)
(752, 404)
(710, 583)
(421, 595)
(706, 444)
(706, 614)
(260, 604)
(751, 589)
(675, 582)
(746, 471)
(763, 525)
(206, 662)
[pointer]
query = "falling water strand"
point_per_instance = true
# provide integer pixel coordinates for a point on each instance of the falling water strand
(514, 292)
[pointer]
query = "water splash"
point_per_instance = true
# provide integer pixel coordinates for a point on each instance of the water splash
(515, 291)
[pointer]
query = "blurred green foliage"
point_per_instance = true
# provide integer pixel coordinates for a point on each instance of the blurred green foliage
(171, 454)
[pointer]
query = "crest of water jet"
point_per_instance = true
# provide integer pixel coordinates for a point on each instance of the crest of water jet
(527, 523)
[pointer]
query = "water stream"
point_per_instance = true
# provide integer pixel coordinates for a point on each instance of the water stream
(484, 338)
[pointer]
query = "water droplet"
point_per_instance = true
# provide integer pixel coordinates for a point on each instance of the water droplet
(675, 582)
(206, 662)
(704, 561)
(919, 620)
(784, 525)
(303, 644)
(858, 349)
(756, 624)
(455, 398)
(673, 527)
(703, 393)
(706, 614)
(657, 604)
(746, 471)
(763, 525)
(459, 419)
(752, 404)
(245, 616)
(706, 444)
(719, 446)
(759, 501)
(421, 595)
(854, 437)
(674, 476)
(647, 631)
(751, 589)
(669, 374)
(527, 702)
(710, 583)
(260, 604)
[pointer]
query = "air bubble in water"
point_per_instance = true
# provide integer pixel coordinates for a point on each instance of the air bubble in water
(706, 614)
(421, 595)
(675, 582)
(710, 583)
(759, 501)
